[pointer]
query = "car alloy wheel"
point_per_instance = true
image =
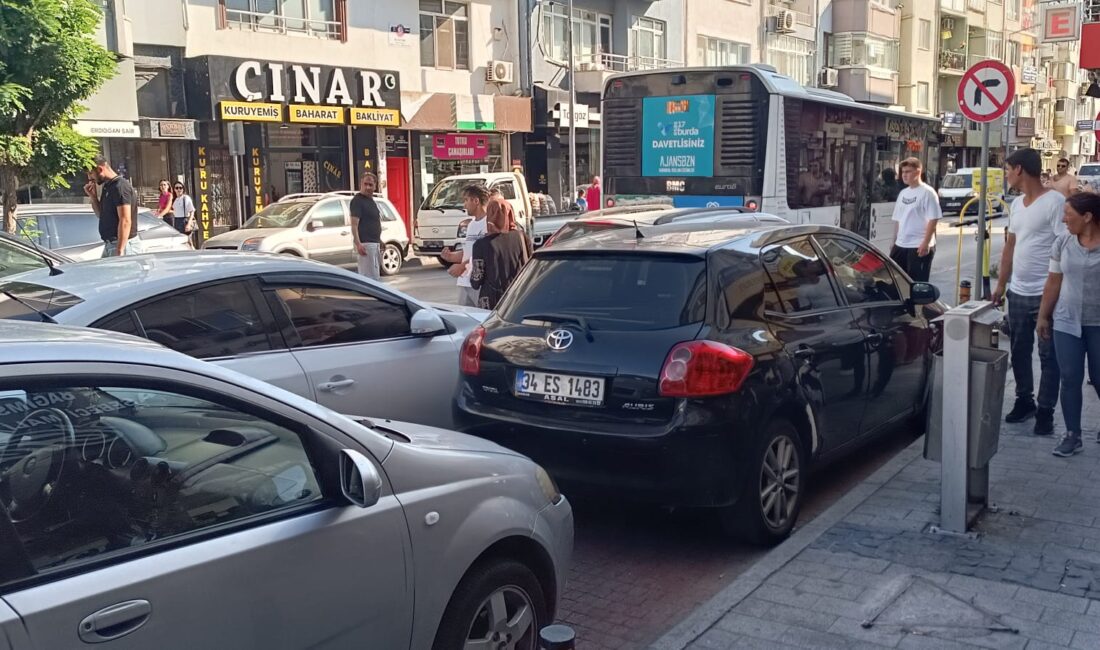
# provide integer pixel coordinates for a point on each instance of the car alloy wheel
(505, 621)
(780, 482)
(391, 259)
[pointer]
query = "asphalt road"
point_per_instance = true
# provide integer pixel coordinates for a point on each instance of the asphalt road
(637, 571)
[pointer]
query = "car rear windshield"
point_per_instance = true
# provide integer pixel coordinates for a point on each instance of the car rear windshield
(581, 228)
(280, 215)
(621, 293)
(25, 301)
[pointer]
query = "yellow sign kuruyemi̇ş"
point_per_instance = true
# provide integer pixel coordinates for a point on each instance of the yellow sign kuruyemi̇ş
(317, 114)
(376, 116)
(252, 111)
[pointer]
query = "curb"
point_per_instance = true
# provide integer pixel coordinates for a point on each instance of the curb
(706, 615)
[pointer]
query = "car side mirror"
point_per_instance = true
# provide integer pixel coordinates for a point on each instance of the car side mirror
(359, 479)
(923, 293)
(427, 322)
(316, 224)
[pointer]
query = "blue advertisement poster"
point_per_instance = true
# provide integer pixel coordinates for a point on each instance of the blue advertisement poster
(678, 136)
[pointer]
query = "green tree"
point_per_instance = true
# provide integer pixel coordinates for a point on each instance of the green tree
(50, 62)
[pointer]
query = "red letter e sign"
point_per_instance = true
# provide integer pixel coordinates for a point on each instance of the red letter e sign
(1061, 23)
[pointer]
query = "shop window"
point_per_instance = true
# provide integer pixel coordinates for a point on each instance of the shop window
(444, 35)
(318, 18)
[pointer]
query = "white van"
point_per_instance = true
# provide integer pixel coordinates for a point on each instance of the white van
(957, 189)
(440, 221)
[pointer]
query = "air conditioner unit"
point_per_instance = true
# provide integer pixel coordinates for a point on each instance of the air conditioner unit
(947, 24)
(828, 78)
(499, 72)
(784, 21)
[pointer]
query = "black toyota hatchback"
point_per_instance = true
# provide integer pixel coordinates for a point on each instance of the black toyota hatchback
(701, 363)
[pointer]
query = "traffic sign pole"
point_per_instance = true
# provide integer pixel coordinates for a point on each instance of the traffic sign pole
(983, 199)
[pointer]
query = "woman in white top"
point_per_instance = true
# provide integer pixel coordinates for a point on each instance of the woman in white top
(183, 209)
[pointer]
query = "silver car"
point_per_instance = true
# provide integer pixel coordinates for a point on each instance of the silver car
(349, 343)
(317, 227)
(72, 230)
(150, 500)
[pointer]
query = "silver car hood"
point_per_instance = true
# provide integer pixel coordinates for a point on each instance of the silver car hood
(427, 437)
(238, 236)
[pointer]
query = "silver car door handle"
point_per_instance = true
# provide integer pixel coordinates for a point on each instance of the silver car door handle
(115, 621)
(330, 386)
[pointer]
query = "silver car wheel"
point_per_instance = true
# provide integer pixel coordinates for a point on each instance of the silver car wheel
(391, 259)
(779, 481)
(503, 621)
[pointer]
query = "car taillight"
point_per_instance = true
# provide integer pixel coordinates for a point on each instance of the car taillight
(752, 205)
(704, 368)
(469, 362)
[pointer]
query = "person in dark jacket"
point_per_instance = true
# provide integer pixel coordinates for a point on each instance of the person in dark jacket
(497, 257)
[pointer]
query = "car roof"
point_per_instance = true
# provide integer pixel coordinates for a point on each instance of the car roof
(692, 235)
(16, 334)
(60, 208)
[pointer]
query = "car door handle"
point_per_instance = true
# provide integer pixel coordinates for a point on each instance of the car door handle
(330, 386)
(115, 621)
(803, 353)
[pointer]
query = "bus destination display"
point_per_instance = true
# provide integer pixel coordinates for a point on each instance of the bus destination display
(678, 136)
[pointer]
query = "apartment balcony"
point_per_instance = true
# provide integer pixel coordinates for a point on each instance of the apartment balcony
(953, 63)
(957, 7)
(593, 69)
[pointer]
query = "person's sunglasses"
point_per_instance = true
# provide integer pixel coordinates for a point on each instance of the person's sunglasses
(178, 187)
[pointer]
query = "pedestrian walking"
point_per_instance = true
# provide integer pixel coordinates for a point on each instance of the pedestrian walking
(115, 203)
(592, 198)
(498, 256)
(183, 209)
(475, 199)
(916, 214)
(1034, 223)
(366, 227)
(164, 202)
(1070, 312)
(582, 202)
(1063, 181)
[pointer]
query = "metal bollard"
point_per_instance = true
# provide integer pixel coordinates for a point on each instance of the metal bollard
(557, 637)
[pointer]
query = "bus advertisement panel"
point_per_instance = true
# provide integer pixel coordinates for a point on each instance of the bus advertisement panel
(678, 136)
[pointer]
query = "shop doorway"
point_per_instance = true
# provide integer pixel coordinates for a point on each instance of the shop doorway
(399, 188)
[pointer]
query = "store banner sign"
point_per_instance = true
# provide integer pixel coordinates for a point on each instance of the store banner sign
(678, 136)
(376, 117)
(251, 112)
(457, 146)
(107, 129)
(317, 114)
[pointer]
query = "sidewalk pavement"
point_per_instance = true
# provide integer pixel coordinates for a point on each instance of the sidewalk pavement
(867, 574)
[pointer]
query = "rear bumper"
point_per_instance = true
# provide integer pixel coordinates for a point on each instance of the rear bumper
(693, 465)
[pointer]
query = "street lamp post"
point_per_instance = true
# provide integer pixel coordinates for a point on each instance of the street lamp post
(572, 114)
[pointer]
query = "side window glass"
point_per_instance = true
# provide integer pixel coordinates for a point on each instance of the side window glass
(741, 284)
(387, 211)
(123, 324)
(77, 229)
(330, 316)
(799, 279)
(215, 321)
(32, 229)
(14, 259)
(140, 465)
(330, 213)
(507, 190)
(862, 274)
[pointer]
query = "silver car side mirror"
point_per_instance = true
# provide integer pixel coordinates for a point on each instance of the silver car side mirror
(427, 322)
(359, 479)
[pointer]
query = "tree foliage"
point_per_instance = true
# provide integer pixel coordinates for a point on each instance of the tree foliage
(50, 62)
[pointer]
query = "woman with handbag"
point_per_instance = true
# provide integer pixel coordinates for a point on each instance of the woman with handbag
(184, 210)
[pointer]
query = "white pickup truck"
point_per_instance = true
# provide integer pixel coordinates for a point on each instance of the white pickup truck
(441, 220)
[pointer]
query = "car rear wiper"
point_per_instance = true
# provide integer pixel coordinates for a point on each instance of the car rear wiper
(46, 318)
(566, 318)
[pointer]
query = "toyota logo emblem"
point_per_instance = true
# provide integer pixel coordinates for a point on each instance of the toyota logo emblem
(559, 339)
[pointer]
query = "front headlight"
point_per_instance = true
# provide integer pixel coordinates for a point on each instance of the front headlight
(252, 244)
(549, 487)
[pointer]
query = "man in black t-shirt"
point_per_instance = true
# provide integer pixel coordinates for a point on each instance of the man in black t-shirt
(366, 227)
(116, 208)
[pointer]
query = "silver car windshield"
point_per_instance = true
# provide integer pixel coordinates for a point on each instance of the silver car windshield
(1089, 170)
(447, 195)
(280, 215)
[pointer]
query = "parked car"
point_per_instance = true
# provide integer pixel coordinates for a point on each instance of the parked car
(319, 331)
(18, 255)
(703, 363)
(150, 500)
(317, 227)
(72, 230)
(1088, 177)
(441, 220)
(957, 188)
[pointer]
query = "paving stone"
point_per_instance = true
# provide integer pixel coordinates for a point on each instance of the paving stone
(784, 614)
(1085, 641)
(752, 626)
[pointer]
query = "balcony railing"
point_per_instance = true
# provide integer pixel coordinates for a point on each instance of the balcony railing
(267, 22)
(600, 61)
(954, 61)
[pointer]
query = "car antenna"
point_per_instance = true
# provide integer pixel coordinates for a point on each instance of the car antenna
(638, 234)
(45, 258)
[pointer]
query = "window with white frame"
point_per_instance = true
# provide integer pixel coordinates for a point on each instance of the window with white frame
(924, 96)
(444, 34)
(591, 33)
(1014, 53)
(717, 51)
(863, 50)
(647, 41)
(995, 45)
(791, 56)
(1012, 9)
(924, 41)
(322, 18)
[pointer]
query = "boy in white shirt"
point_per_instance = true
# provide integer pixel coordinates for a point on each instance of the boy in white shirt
(916, 213)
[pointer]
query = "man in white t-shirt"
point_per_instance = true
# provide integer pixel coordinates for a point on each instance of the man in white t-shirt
(916, 213)
(1033, 224)
(475, 198)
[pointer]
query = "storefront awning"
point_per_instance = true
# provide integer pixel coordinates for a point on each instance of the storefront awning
(453, 112)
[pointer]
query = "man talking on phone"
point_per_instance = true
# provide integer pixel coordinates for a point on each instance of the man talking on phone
(116, 206)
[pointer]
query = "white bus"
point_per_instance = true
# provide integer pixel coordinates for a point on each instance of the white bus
(748, 136)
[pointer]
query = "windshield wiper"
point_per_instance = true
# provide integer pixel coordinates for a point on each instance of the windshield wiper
(45, 258)
(46, 318)
(564, 318)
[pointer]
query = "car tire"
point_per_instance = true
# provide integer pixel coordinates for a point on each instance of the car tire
(768, 509)
(392, 259)
(468, 615)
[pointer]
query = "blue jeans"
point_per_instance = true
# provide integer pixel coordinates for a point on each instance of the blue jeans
(110, 249)
(1071, 352)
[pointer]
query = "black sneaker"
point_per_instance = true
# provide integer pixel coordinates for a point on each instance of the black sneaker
(1070, 445)
(1024, 409)
(1044, 422)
